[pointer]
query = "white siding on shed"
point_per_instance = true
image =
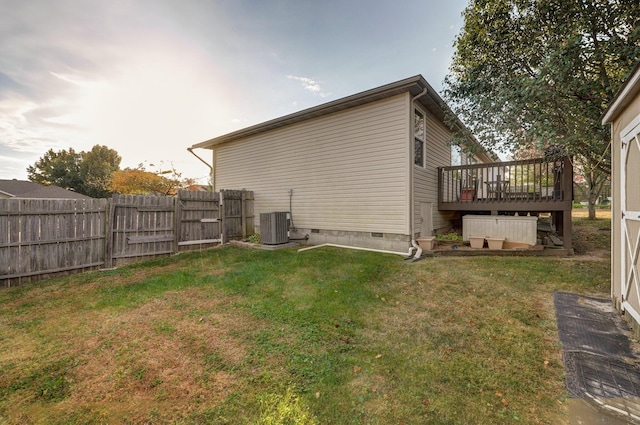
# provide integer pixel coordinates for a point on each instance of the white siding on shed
(348, 170)
(425, 180)
(620, 250)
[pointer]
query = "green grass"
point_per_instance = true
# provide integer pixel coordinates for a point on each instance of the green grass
(233, 336)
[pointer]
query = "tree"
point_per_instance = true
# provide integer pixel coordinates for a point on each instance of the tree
(57, 168)
(88, 173)
(541, 73)
(96, 169)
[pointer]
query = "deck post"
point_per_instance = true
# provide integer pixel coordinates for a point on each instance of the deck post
(567, 229)
(567, 180)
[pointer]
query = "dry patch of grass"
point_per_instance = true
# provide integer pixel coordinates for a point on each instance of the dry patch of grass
(159, 349)
(165, 358)
(583, 213)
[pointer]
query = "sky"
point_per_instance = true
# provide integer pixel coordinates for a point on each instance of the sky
(150, 78)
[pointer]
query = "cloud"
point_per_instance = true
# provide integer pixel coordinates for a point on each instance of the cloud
(52, 54)
(5, 159)
(70, 77)
(310, 84)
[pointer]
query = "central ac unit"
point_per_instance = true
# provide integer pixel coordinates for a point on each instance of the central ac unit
(274, 228)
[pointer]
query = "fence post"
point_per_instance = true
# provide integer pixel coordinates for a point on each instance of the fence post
(109, 211)
(223, 231)
(243, 209)
(177, 221)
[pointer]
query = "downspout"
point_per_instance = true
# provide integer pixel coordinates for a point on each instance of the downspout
(411, 165)
(419, 95)
(205, 163)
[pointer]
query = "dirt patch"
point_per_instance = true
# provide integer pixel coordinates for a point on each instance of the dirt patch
(590, 240)
(594, 255)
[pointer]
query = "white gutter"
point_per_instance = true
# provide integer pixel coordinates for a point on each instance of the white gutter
(404, 254)
(205, 163)
(202, 160)
(424, 91)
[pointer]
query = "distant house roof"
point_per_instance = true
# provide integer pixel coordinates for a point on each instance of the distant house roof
(26, 189)
(416, 86)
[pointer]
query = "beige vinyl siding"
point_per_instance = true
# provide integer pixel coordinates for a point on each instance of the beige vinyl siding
(348, 170)
(425, 180)
(629, 114)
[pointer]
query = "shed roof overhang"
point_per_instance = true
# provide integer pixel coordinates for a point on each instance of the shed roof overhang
(630, 88)
(414, 85)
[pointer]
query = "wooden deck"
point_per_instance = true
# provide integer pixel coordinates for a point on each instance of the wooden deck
(528, 186)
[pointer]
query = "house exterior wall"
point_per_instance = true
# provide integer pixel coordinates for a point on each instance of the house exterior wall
(623, 120)
(425, 179)
(348, 172)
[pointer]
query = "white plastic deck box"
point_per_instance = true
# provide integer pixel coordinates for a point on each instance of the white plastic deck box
(511, 228)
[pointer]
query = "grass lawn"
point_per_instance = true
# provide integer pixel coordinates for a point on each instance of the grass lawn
(327, 336)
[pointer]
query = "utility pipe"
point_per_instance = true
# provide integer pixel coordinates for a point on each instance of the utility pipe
(404, 254)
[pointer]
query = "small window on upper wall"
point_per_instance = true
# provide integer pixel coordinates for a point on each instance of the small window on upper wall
(418, 134)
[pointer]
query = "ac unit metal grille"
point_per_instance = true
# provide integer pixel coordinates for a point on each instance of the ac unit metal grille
(274, 228)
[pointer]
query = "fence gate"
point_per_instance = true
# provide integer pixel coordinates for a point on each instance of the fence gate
(236, 214)
(139, 226)
(198, 218)
(630, 223)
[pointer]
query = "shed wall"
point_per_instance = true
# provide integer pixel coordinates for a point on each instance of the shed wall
(629, 114)
(347, 171)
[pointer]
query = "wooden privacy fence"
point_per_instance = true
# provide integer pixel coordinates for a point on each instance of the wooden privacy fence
(40, 238)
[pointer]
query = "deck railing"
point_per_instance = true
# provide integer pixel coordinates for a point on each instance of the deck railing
(506, 185)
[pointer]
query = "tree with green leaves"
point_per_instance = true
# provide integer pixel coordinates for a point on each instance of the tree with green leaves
(96, 169)
(88, 173)
(57, 168)
(540, 73)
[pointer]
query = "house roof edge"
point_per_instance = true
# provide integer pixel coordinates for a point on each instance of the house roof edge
(629, 88)
(414, 85)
